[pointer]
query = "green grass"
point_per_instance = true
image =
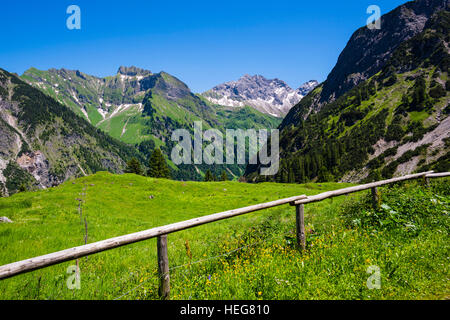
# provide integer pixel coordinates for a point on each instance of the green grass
(267, 267)
(93, 114)
(419, 116)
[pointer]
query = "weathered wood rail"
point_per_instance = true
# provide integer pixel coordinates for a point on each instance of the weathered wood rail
(16, 268)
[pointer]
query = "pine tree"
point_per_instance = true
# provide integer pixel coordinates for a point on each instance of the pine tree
(358, 98)
(405, 99)
(291, 175)
(158, 165)
(324, 175)
(419, 93)
(364, 93)
(23, 188)
(372, 87)
(224, 176)
(302, 176)
(208, 176)
(133, 166)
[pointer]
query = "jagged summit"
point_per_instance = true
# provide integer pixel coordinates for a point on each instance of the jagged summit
(271, 96)
(133, 71)
(368, 50)
(307, 87)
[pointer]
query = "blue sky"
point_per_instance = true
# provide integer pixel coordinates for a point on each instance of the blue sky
(203, 43)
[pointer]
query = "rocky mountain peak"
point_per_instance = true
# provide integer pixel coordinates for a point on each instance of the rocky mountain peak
(305, 88)
(133, 71)
(368, 50)
(271, 96)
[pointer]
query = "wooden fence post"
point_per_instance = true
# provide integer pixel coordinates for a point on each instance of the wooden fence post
(375, 198)
(300, 220)
(163, 268)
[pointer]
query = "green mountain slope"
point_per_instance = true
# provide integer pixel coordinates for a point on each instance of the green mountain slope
(393, 123)
(143, 109)
(43, 143)
(136, 105)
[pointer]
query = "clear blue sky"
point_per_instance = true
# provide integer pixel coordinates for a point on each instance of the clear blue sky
(203, 43)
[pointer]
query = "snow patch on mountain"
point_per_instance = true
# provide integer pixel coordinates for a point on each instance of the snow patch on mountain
(271, 96)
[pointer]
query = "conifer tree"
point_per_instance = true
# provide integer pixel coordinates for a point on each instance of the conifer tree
(224, 176)
(158, 165)
(291, 175)
(208, 176)
(133, 166)
(358, 98)
(419, 93)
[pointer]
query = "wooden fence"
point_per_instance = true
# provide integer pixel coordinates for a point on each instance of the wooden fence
(16, 268)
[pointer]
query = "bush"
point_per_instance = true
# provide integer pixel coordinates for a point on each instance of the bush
(404, 210)
(437, 91)
(394, 132)
(351, 117)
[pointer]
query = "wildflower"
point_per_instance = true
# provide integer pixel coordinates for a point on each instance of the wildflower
(259, 293)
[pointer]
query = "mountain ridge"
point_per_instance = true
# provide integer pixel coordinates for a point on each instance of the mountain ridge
(394, 122)
(43, 143)
(142, 109)
(271, 96)
(368, 50)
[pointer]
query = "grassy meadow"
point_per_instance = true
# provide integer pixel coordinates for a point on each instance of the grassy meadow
(247, 257)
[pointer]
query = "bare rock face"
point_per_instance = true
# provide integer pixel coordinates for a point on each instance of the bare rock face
(368, 50)
(271, 96)
(37, 165)
(307, 87)
(133, 71)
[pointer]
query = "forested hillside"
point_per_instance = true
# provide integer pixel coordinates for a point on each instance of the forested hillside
(395, 122)
(43, 143)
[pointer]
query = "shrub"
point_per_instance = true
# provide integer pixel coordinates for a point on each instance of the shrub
(437, 91)
(404, 210)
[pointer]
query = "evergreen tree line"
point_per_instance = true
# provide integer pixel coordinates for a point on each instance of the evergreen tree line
(158, 168)
(157, 164)
(209, 176)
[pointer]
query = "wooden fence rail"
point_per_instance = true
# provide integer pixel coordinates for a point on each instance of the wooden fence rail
(16, 268)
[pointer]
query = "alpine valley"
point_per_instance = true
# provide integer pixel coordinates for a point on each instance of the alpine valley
(128, 115)
(382, 111)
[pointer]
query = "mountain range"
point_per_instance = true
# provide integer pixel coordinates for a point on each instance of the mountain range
(271, 96)
(382, 111)
(125, 105)
(136, 107)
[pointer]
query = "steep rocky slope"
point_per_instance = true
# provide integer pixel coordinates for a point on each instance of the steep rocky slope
(271, 96)
(392, 122)
(368, 51)
(43, 143)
